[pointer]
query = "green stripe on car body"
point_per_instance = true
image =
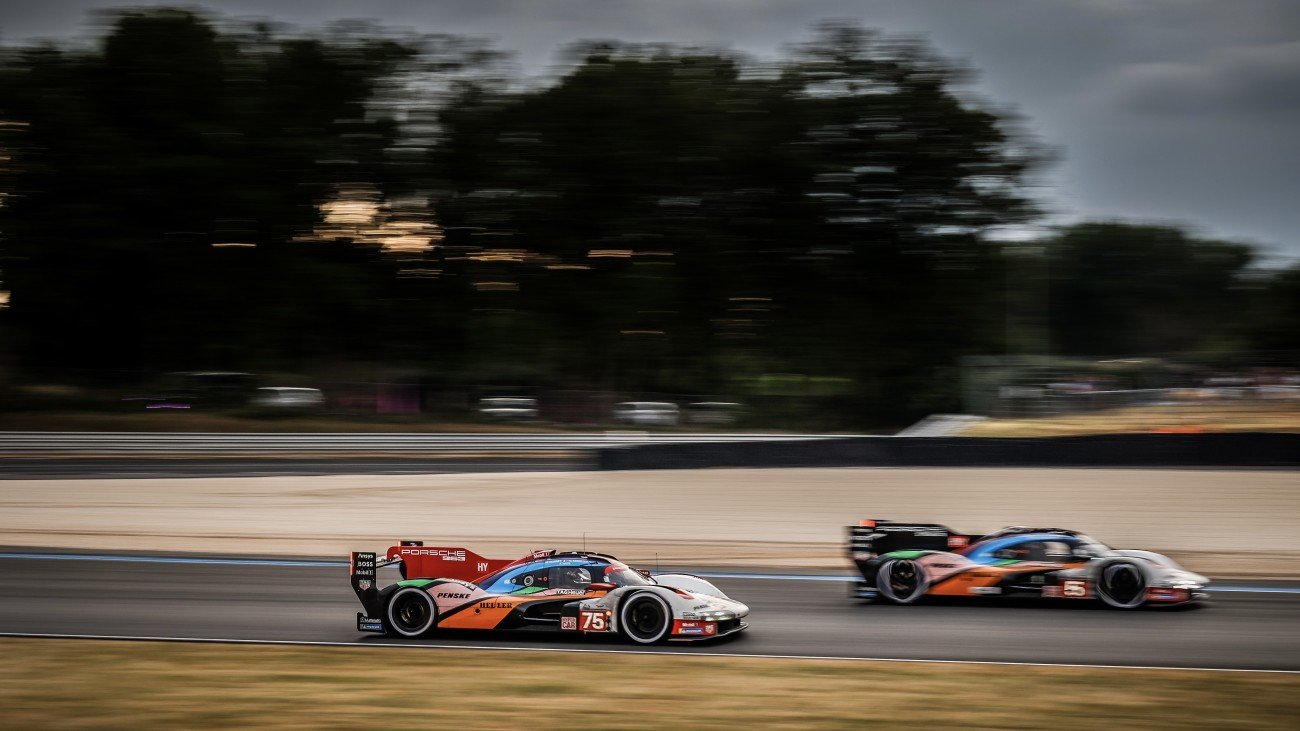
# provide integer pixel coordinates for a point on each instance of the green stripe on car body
(420, 583)
(906, 554)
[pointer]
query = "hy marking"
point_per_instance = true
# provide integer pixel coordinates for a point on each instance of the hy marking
(318, 563)
(591, 651)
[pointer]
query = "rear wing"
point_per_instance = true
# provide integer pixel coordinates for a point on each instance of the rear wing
(871, 538)
(414, 560)
(362, 569)
(418, 561)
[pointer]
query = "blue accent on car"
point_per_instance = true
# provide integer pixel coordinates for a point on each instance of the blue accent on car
(504, 583)
(982, 553)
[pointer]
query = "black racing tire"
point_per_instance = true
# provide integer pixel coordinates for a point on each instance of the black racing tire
(410, 613)
(901, 581)
(645, 618)
(1122, 585)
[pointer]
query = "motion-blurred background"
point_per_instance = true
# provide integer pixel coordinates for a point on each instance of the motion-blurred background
(209, 221)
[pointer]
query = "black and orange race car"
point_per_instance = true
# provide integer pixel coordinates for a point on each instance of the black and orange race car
(903, 562)
(577, 591)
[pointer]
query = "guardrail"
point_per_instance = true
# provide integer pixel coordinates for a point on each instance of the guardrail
(270, 443)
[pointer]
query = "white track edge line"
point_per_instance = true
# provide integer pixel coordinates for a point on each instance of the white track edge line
(592, 651)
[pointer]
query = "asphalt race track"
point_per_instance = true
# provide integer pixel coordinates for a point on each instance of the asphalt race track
(307, 601)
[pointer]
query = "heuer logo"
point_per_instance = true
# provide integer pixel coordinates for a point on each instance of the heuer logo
(495, 605)
(444, 554)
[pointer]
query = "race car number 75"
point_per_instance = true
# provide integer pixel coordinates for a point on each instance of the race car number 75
(595, 621)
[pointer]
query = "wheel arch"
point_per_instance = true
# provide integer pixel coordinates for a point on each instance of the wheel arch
(667, 596)
(1145, 569)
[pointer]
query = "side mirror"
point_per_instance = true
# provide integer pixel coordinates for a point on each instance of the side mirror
(601, 586)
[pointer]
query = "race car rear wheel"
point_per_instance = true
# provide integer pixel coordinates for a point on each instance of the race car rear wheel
(1122, 585)
(411, 612)
(901, 581)
(645, 618)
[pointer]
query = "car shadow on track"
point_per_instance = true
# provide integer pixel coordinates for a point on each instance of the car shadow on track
(1075, 605)
(547, 637)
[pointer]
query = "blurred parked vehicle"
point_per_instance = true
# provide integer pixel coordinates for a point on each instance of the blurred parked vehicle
(195, 389)
(1228, 387)
(508, 408)
(715, 413)
(288, 397)
(214, 387)
(647, 413)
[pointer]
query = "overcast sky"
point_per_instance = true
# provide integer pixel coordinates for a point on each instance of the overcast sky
(1165, 110)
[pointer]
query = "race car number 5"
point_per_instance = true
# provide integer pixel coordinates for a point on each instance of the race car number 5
(1074, 588)
(595, 622)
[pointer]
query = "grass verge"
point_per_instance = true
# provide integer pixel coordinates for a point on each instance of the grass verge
(87, 684)
(1278, 416)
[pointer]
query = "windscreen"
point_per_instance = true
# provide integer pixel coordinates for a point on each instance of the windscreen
(620, 575)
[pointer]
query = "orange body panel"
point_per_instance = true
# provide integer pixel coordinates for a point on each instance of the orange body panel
(490, 611)
(982, 576)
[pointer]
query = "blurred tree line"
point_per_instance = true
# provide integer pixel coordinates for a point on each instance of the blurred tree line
(192, 192)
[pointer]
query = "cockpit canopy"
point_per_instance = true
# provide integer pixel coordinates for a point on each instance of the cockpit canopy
(1037, 547)
(563, 572)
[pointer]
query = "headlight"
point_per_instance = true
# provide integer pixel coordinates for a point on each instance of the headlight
(1177, 584)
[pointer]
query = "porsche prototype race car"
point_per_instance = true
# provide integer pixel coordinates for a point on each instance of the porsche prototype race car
(903, 562)
(575, 592)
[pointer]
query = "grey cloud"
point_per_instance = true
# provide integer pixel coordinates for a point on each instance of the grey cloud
(1243, 80)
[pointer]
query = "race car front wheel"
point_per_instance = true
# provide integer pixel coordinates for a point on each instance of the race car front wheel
(645, 618)
(411, 612)
(1122, 585)
(901, 581)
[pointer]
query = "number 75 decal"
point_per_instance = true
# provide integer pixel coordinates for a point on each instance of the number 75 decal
(594, 621)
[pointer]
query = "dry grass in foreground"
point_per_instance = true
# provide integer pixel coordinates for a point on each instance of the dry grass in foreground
(81, 684)
(1270, 416)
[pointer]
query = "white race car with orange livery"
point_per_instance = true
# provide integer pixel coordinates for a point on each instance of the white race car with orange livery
(903, 563)
(574, 592)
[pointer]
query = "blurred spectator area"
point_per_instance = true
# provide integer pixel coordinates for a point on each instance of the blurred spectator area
(1029, 386)
(235, 399)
